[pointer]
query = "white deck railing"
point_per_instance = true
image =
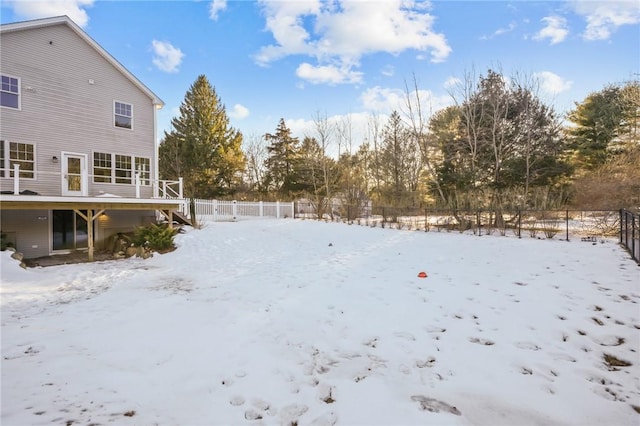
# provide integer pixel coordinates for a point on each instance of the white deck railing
(218, 210)
(161, 188)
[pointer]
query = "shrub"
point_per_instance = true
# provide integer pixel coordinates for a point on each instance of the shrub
(4, 243)
(156, 237)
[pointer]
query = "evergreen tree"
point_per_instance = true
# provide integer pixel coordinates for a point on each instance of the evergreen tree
(399, 162)
(202, 147)
(283, 161)
(597, 120)
(605, 124)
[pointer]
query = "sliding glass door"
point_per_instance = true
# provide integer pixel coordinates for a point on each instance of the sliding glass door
(69, 230)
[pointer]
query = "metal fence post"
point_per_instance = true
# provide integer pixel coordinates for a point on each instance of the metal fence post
(567, 223)
(519, 223)
(622, 215)
(634, 236)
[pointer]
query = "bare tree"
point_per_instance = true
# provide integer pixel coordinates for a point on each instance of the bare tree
(419, 130)
(255, 149)
(325, 131)
(373, 138)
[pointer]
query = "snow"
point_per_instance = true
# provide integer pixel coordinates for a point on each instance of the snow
(314, 323)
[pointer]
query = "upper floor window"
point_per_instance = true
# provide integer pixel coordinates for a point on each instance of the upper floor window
(23, 154)
(10, 93)
(123, 115)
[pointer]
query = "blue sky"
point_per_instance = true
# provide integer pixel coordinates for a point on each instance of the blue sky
(350, 60)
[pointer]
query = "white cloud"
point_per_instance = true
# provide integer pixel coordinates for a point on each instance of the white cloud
(386, 100)
(353, 125)
(284, 21)
(500, 31)
(328, 74)
(215, 8)
(239, 112)
(555, 30)
(388, 70)
(551, 83)
(605, 17)
(383, 100)
(166, 57)
(452, 82)
(74, 9)
(341, 32)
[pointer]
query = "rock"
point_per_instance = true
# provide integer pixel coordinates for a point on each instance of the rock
(17, 255)
(144, 252)
(120, 242)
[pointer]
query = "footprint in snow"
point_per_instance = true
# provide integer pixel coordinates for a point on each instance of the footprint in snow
(527, 345)
(290, 413)
(237, 400)
(479, 341)
(435, 406)
(327, 419)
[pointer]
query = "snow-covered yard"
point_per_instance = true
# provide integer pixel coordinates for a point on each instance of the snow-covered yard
(301, 322)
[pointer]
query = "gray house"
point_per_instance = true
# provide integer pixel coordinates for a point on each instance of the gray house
(78, 152)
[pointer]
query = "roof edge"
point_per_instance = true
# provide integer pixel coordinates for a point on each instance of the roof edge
(65, 20)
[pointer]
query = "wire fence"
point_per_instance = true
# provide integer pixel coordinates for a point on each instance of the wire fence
(562, 224)
(630, 233)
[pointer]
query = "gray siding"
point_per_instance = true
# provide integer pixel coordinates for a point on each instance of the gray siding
(67, 94)
(62, 111)
(29, 229)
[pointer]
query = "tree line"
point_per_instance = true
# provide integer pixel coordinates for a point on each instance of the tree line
(498, 146)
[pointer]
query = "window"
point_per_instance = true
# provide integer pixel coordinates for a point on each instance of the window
(118, 168)
(123, 169)
(23, 154)
(143, 166)
(101, 167)
(123, 114)
(10, 92)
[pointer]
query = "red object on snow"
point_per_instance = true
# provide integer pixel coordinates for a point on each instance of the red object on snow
(422, 275)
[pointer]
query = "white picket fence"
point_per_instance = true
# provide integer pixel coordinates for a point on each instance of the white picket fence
(218, 210)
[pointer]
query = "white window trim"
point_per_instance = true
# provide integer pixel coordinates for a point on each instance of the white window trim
(115, 178)
(7, 160)
(135, 170)
(93, 167)
(113, 117)
(113, 169)
(20, 94)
